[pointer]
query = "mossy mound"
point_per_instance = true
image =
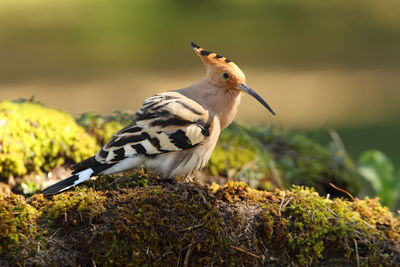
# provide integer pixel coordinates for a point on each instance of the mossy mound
(274, 157)
(104, 127)
(34, 138)
(140, 220)
(264, 157)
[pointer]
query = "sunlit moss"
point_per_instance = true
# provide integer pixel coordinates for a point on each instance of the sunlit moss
(139, 220)
(308, 228)
(272, 157)
(86, 203)
(17, 223)
(235, 148)
(34, 138)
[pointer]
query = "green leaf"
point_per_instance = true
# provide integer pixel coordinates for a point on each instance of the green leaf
(376, 168)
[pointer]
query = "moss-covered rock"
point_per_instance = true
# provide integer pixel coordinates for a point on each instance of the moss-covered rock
(140, 220)
(274, 157)
(34, 138)
(104, 127)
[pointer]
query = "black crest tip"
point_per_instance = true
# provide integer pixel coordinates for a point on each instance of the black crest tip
(195, 46)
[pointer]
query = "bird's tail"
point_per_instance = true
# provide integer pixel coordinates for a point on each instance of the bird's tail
(69, 182)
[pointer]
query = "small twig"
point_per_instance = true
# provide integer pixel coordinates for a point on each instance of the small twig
(192, 227)
(280, 206)
(331, 211)
(247, 252)
(178, 263)
(189, 251)
(287, 202)
(357, 255)
(116, 180)
(247, 227)
(51, 237)
(24, 236)
(367, 224)
(312, 217)
(265, 249)
(342, 190)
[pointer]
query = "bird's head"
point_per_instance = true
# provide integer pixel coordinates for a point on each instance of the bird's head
(224, 73)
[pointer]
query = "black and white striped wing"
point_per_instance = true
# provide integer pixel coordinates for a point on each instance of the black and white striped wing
(167, 122)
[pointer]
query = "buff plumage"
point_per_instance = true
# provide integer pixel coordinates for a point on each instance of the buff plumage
(175, 132)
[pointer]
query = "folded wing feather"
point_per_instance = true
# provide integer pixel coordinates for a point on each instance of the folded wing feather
(167, 122)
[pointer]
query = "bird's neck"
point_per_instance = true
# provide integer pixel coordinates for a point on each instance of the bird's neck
(221, 102)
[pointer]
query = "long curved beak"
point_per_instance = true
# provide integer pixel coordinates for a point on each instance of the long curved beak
(245, 88)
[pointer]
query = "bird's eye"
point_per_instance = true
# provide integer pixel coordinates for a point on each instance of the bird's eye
(225, 75)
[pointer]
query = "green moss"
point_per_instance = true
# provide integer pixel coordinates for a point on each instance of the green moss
(104, 127)
(308, 228)
(138, 178)
(232, 191)
(266, 158)
(311, 223)
(137, 219)
(236, 147)
(16, 223)
(130, 222)
(70, 208)
(272, 157)
(34, 138)
(145, 221)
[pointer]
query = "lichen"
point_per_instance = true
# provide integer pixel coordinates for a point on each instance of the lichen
(138, 219)
(34, 138)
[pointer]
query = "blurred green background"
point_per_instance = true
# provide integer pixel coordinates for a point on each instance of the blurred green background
(320, 64)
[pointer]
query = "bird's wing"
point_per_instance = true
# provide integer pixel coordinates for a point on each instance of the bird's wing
(167, 122)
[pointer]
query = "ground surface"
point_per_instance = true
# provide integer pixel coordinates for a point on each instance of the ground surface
(140, 220)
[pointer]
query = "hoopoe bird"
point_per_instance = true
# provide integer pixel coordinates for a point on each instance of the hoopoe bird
(175, 132)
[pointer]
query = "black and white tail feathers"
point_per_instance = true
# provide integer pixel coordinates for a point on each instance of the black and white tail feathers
(81, 172)
(68, 182)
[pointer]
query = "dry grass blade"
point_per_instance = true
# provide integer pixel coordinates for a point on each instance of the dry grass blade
(357, 255)
(189, 251)
(247, 252)
(342, 190)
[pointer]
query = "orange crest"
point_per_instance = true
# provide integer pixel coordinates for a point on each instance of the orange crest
(219, 66)
(210, 57)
